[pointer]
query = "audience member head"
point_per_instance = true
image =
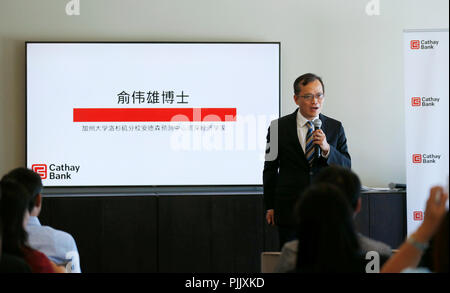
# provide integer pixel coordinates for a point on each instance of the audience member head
(346, 180)
(327, 238)
(14, 216)
(33, 184)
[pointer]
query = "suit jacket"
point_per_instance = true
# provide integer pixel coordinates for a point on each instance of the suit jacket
(288, 174)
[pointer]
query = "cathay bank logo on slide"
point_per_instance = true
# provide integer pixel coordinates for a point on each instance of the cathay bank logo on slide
(56, 171)
(41, 169)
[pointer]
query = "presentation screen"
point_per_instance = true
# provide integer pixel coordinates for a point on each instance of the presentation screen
(150, 114)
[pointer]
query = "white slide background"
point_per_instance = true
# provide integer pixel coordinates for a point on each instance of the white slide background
(64, 76)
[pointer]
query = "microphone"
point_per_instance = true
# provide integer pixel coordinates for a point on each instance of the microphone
(393, 185)
(317, 125)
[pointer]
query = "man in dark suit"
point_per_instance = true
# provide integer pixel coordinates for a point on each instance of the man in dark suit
(291, 155)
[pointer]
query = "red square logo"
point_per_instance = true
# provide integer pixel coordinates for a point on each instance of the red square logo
(41, 169)
(417, 158)
(418, 216)
(415, 44)
(415, 101)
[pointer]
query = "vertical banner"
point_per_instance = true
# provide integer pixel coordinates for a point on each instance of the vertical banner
(426, 73)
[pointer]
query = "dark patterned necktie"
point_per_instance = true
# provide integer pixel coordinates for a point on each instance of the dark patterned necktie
(309, 146)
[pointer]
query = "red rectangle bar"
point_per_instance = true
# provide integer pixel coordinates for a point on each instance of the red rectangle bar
(153, 114)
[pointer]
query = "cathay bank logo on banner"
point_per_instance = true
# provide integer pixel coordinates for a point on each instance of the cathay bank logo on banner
(423, 44)
(415, 102)
(424, 101)
(418, 216)
(415, 44)
(55, 171)
(426, 158)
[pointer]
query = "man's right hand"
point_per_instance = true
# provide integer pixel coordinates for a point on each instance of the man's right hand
(270, 217)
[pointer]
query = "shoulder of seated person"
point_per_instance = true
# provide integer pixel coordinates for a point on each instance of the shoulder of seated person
(291, 245)
(59, 233)
(371, 241)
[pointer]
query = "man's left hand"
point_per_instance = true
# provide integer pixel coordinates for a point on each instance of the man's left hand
(320, 139)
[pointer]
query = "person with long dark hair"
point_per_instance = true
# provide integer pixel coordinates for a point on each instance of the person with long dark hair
(57, 245)
(10, 263)
(327, 240)
(14, 215)
(348, 182)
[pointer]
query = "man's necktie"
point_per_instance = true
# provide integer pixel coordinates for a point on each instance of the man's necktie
(309, 146)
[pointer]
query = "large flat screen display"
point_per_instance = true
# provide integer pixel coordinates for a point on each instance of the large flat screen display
(150, 114)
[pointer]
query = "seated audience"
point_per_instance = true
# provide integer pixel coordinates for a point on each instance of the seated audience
(435, 223)
(11, 263)
(58, 246)
(349, 183)
(14, 217)
(327, 240)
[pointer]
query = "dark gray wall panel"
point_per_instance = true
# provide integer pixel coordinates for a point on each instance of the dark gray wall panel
(388, 218)
(130, 226)
(192, 233)
(184, 234)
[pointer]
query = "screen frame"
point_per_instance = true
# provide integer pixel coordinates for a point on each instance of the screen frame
(145, 188)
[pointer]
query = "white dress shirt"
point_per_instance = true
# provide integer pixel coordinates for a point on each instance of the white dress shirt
(58, 246)
(302, 130)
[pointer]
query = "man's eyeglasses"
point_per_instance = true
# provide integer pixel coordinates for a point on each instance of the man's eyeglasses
(309, 97)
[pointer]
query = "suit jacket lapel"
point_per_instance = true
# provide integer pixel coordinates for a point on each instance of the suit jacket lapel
(294, 136)
(324, 123)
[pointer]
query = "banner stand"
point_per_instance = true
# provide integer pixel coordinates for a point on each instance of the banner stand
(426, 75)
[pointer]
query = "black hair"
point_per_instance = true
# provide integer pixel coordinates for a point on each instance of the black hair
(327, 241)
(304, 80)
(343, 178)
(30, 180)
(14, 203)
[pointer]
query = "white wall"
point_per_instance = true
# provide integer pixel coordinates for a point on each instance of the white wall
(359, 56)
